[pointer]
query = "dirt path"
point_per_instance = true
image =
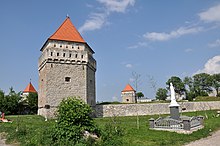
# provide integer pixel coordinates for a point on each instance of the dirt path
(2, 140)
(2, 143)
(213, 140)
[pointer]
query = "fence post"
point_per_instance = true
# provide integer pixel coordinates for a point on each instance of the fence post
(151, 121)
(201, 120)
(186, 124)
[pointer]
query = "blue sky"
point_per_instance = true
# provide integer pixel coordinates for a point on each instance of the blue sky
(154, 38)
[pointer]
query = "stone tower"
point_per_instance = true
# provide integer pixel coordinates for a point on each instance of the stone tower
(66, 69)
(128, 94)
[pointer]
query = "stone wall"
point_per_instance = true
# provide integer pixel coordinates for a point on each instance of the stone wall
(151, 108)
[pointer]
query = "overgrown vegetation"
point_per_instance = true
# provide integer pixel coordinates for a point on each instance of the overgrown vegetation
(33, 130)
(14, 103)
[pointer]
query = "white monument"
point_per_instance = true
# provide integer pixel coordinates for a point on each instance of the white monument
(174, 106)
(173, 97)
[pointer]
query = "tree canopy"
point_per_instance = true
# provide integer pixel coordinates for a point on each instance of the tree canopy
(139, 94)
(177, 83)
(161, 94)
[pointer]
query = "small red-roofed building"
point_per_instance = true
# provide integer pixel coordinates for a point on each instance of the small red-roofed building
(128, 94)
(29, 89)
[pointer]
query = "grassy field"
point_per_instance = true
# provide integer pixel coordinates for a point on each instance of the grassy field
(33, 130)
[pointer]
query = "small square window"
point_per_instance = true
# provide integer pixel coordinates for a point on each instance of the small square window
(67, 79)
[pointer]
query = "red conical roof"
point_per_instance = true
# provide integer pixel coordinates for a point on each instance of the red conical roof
(128, 88)
(30, 89)
(67, 32)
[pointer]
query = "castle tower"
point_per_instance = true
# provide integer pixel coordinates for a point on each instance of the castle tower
(128, 94)
(66, 69)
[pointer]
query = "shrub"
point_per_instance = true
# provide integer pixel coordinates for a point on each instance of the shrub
(73, 120)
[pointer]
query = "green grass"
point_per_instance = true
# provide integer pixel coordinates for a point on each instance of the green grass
(146, 137)
(207, 98)
(33, 130)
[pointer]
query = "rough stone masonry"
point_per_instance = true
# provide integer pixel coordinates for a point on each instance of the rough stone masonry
(66, 69)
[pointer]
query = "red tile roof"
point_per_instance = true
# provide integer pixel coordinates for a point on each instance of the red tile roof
(67, 32)
(30, 89)
(128, 88)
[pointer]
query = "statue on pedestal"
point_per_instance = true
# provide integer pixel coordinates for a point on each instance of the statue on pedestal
(173, 98)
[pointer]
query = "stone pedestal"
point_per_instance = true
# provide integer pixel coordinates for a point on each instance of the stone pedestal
(151, 122)
(186, 124)
(174, 112)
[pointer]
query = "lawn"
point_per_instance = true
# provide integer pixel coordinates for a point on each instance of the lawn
(33, 130)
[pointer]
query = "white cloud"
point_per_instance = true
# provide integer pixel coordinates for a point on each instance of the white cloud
(117, 5)
(155, 36)
(215, 44)
(89, 5)
(129, 65)
(211, 15)
(188, 50)
(139, 44)
(98, 20)
(212, 66)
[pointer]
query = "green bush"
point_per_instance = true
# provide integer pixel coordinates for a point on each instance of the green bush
(74, 118)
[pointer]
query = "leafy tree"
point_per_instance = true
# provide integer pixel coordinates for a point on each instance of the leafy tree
(216, 82)
(161, 94)
(73, 119)
(10, 102)
(202, 84)
(139, 94)
(188, 81)
(190, 93)
(177, 83)
(32, 102)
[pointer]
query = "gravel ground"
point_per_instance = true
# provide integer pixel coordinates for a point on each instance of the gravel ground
(213, 140)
